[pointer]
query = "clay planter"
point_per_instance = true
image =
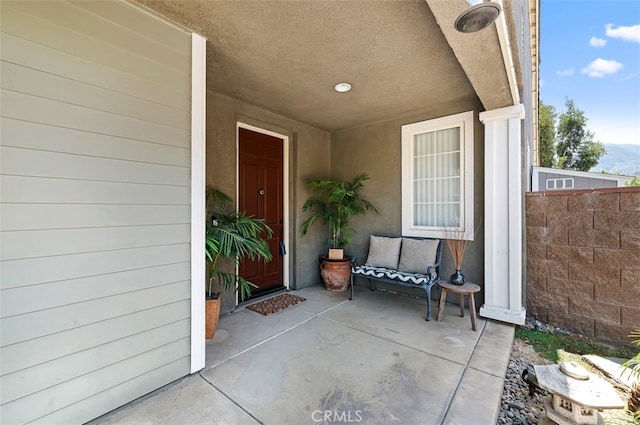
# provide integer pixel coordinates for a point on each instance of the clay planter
(212, 313)
(335, 273)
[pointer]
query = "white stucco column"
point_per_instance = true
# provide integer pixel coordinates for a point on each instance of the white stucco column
(198, 197)
(503, 214)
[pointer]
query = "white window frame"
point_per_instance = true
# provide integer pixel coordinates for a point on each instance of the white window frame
(561, 183)
(465, 224)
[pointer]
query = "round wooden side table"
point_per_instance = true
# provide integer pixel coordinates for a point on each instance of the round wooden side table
(469, 288)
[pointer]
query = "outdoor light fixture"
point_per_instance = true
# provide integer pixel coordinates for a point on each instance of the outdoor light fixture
(479, 16)
(342, 87)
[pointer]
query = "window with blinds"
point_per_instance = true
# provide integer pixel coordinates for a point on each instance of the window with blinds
(438, 176)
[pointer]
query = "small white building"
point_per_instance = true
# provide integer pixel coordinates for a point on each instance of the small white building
(544, 178)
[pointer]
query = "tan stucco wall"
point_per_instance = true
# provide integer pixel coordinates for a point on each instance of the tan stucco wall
(309, 156)
(313, 153)
(376, 149)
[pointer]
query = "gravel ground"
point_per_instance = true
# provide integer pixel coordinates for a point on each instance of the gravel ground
(517, 406)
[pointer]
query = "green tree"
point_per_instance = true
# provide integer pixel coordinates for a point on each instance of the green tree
(634, 182)
(547, 126)
(575, 146)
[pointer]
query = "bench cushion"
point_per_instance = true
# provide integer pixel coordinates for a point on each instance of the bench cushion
(417, 254)
(387, 273)
(383, 252)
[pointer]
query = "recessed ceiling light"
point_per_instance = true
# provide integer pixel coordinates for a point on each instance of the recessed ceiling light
(342, 87)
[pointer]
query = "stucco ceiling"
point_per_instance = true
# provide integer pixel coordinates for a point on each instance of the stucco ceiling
(286, 56)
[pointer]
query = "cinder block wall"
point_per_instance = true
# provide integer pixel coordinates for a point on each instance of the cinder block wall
(583, 260)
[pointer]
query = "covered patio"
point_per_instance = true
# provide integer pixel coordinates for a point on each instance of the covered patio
(373, 360)
(116, 116)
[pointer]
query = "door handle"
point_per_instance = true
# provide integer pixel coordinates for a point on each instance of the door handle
(283, 249)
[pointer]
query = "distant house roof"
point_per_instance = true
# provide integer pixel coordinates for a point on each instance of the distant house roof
(536, 171)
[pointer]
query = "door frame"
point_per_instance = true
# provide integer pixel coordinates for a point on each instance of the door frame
(285, 188)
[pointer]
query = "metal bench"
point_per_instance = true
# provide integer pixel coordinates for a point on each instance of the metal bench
(394, 276)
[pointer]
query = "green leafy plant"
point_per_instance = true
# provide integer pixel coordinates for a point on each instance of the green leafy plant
(634, 182)
(633, 368)
(547, 128)
(334, 203)
(634, 363)
(232, 235)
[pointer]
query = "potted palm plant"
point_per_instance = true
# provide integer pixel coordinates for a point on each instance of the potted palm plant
(234, 236)
(334, 202)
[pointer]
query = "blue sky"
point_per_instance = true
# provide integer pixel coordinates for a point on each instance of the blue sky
(590, 52)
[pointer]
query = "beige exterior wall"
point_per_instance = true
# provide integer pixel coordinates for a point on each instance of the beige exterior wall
(308, 158)
(376, 150)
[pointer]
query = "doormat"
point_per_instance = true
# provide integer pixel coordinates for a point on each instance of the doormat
(275, 304)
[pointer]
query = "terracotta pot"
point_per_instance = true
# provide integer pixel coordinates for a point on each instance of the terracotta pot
(335, 273)
(212, 313)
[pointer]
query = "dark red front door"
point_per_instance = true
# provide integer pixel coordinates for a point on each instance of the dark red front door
(261, 195)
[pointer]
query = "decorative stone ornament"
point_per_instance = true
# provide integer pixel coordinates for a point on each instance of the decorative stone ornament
(574, 370)
(576, 395)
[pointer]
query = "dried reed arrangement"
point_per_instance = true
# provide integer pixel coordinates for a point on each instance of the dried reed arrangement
(457, 245)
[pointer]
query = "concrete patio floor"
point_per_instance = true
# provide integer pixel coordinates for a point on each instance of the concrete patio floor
(373, 360)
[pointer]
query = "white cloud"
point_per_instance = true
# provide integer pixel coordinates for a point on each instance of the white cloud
(565, 72)
(630, 33)
(601, 67)
(597, 42)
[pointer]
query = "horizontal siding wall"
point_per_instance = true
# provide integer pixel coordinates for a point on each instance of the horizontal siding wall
(94, 209)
